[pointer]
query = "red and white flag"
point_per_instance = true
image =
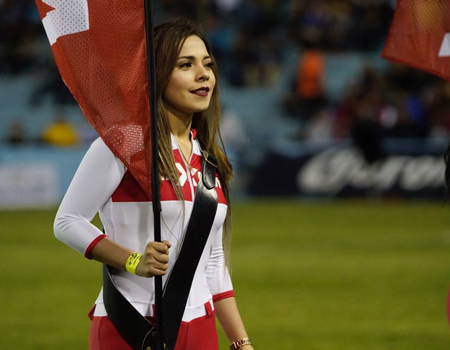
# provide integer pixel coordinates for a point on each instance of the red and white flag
(420, 36)
(100, 50)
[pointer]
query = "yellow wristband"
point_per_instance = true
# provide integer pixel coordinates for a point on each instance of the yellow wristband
(132, 262)
(240, 343)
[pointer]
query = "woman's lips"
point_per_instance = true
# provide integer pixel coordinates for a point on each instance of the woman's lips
(202, 92)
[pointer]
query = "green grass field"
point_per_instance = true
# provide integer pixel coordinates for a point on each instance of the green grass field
(313, 276)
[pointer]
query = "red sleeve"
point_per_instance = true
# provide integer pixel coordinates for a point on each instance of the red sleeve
(224, 295)
(87, 253)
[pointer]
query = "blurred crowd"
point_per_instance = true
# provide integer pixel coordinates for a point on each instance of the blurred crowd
(251, 39)
(59, 132)
(402, 102)
(396, 103)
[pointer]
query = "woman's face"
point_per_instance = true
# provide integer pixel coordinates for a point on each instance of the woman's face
(192, 82)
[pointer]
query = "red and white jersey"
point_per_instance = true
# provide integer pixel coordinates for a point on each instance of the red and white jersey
(102, 184)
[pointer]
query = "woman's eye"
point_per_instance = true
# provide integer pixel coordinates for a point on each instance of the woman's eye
(185, 65)
(210, 64)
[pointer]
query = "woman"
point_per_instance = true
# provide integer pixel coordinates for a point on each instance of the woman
(188, 115)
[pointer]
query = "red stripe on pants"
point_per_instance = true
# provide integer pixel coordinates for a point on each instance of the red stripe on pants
(448, 306)
(199, 334)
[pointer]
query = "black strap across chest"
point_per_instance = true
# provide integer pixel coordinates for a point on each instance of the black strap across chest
(178, 285)
(131, 325)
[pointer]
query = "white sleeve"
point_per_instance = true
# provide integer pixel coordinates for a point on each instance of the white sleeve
(217, 275)
(96, 179)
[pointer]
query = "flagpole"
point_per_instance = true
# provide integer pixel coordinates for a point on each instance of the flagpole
(156, 200)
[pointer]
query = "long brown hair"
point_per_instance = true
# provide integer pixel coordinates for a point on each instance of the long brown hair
(169, 40)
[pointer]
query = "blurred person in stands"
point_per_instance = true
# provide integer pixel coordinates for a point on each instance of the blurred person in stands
(436, 99)
(61, 132)
(227, 6)
(308, 95)
(255, 53)
(13, 30)
(319, 129)
(235, 137)
(244, 58)
(367, 136)
(370, 24)
(310, 21)
(344, 112)
(366, 130)
(49, 83)
(16, 134)
(219, 37)
(268, 66)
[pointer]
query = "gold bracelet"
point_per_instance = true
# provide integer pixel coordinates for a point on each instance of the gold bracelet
(240, 343)
(132, 262)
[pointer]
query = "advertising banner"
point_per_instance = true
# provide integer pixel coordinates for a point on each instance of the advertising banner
(28, 186)
(343, 172)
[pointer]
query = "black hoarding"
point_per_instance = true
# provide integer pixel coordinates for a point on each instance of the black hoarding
(343, 172)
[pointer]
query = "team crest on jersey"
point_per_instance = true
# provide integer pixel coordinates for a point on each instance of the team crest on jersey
(129, 189)
(196, 176)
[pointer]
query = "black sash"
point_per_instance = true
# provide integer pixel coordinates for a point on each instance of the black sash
(131, 325)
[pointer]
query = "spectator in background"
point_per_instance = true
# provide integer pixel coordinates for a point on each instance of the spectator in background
(436, 99)
(255, 53)
(339, 25)
(411, 121)
(367, 137)
(268, 61)
(236, 141)
(234, 137)
(311, 22)
(344, 113)
(18, 30)
(359, 114)
(403, 102)
(16, 134)
(243, 59)
(227, 6)
(370, 24)
(53, 86)
(60, 133)
(337, 37)
(308, 95)
(250, 39)
(220, 37)
(319, 130)
(310, 79)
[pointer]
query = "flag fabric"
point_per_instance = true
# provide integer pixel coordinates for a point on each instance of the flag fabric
(100, 49)
(420, 36)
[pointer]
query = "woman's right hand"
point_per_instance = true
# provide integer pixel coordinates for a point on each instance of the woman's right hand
(154, 260)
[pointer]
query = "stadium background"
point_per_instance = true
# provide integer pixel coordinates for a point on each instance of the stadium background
(341, 236)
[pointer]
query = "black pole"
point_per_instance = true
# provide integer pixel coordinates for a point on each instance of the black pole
(156, 200)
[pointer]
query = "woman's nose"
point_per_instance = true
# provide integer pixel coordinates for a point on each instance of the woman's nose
(203, 74)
